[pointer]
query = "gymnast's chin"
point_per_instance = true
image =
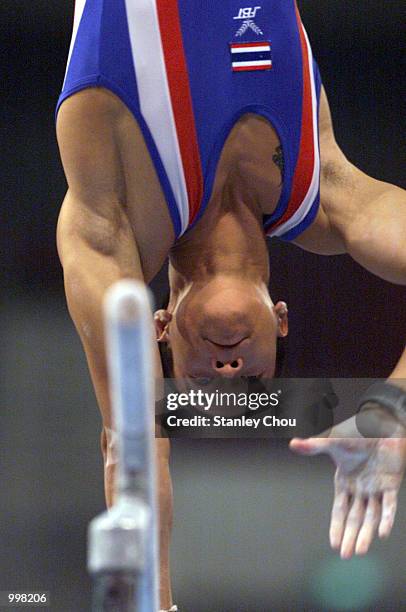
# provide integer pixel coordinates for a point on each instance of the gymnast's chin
(226, 326)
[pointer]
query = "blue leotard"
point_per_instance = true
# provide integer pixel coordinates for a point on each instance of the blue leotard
(188, 70)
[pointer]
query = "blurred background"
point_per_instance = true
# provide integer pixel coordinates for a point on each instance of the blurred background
(251, 519)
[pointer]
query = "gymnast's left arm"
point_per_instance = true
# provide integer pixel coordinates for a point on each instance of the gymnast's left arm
(365, 218)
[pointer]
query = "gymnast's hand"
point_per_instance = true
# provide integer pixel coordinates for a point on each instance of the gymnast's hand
(367, 481)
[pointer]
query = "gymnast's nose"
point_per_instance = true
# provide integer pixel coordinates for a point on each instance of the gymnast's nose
(228, 369)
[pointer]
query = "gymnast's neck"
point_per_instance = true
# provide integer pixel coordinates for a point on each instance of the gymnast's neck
(228, 241)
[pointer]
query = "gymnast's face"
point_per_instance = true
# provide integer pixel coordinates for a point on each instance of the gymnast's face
(227, 327)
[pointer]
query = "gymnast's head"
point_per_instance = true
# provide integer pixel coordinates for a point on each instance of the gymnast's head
(226, 326)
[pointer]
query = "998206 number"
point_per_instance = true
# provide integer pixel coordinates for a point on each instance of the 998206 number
(24, 598)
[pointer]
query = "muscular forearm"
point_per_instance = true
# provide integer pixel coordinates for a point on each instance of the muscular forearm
(94, 254)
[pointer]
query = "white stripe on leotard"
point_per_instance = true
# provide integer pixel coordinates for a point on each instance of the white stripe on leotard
(154, 95)
(79, 8)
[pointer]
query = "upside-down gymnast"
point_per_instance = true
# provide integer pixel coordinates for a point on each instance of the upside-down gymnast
(194, 130)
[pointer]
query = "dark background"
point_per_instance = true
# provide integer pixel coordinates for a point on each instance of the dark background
(249, 534)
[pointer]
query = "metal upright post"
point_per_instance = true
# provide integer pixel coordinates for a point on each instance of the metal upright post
(122, 542)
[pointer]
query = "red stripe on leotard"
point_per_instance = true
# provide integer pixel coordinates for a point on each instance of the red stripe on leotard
(178, 79)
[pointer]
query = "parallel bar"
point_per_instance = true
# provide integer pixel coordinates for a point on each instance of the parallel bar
(123, 542)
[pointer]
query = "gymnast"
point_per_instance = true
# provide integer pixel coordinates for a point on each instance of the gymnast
(193, 131)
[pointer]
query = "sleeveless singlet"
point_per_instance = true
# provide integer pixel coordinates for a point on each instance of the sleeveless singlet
(188, 70)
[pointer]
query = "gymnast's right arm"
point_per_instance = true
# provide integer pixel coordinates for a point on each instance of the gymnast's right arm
(97, 247)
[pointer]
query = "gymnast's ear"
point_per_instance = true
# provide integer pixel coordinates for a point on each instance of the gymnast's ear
(281, 311)
(162, 318)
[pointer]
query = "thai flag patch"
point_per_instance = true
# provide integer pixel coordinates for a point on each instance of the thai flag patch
(251, 56)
